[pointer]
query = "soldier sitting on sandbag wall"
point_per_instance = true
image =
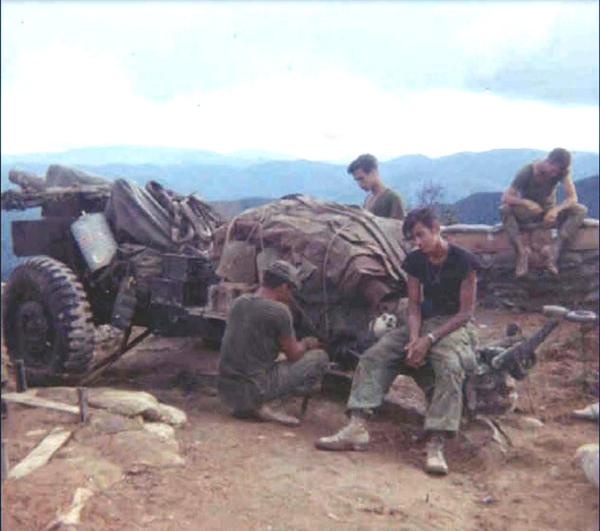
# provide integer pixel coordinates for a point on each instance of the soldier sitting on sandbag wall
(259, 326)
(435, 346)
(531, 198)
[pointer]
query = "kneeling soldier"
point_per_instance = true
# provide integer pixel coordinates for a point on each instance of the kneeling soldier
(259, 326)
(435, 346)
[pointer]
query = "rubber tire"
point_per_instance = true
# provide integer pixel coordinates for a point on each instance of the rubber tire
(51, 288)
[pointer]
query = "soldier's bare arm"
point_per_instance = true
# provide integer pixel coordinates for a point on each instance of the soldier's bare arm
(570, 199)
(294, 349)
(510, 196)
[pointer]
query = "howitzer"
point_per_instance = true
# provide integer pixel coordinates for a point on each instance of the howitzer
(518, 359)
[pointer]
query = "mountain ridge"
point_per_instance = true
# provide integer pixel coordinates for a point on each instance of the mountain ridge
(221, 177)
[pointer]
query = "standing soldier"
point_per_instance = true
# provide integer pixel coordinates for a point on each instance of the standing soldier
(381, 201)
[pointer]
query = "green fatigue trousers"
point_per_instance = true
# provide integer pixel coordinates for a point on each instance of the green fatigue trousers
(244, 394)
(447, 364)
(287, 378)
(567, 221)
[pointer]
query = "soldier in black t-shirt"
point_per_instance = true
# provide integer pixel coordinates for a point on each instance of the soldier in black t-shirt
(436, 346)
(531, 198)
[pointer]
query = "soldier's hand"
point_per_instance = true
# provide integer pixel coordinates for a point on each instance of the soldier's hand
(534, 207)
(310, 342)
(416, 351)
(550, 217)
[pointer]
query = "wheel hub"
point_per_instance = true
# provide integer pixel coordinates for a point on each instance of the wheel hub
(32, 330)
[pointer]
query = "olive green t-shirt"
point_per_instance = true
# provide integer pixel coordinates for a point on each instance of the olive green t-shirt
(542, 190)
(388, 204)
(249, 348)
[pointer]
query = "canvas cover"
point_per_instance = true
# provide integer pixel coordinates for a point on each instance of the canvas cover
(348, 259)
(159, 218)
(335, 246)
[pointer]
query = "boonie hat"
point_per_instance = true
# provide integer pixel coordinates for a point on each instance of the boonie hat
(285, 271)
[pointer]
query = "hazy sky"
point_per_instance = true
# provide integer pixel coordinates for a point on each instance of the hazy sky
(314, 79)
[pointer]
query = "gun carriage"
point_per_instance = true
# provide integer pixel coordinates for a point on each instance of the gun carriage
(106, 256)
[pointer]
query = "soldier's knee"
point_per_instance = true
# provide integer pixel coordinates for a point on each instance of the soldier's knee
(318, 357)
(450, 368)
(373, 356)
(505, 210)
(580, 210)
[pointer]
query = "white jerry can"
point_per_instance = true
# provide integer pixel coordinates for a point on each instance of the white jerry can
(95, 239)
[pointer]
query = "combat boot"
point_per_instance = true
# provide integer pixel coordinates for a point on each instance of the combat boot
(436, 463)
(268, 414)
(353, 436)
(522, 262)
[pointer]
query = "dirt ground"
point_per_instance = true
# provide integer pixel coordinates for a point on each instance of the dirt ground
(256, 476)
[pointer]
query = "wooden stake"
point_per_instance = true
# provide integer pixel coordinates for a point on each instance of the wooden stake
(21, 377)
(83, 405)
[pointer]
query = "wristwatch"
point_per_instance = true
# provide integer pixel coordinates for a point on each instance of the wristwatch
(432, 338)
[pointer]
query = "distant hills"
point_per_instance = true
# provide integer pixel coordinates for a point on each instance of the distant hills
(472, 182)
(219, 177)
(159, 156)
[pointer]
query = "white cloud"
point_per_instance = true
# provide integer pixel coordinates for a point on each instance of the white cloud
(65, 97)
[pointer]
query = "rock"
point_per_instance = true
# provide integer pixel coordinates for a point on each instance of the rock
(171, 415)
(530, 423)
(135, 448)
(406, 394)
(73, 515)
(83, 464)
(590, 412)
(587, 457)
(162, 430)
(68, 395)
(111, 423)
(128, 403)
(554, 472)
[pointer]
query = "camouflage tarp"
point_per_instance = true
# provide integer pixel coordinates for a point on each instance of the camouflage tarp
(344, 254)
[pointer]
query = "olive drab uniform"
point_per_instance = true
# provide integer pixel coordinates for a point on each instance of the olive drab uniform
(543, 192)
(248, 373)
(447, 362)
(387, 204)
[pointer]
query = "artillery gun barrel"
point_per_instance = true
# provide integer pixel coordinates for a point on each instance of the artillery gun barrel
(31, 198)
(526, 348)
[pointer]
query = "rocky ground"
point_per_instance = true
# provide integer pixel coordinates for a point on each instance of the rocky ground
(215, 472)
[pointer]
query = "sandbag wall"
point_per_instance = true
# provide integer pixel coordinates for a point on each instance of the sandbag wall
(575, 287)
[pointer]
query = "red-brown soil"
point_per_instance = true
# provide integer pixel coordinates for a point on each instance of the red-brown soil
(254, 476)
